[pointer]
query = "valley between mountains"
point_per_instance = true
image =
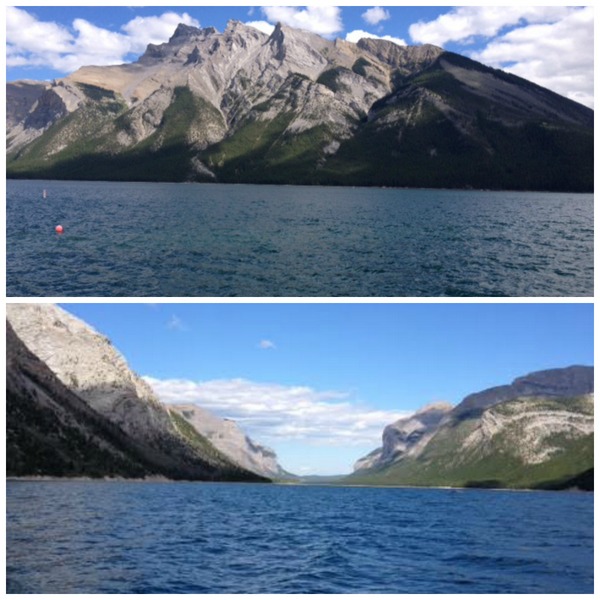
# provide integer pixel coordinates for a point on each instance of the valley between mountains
(241, 106)
(76, 409)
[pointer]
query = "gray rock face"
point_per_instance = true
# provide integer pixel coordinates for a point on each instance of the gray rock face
(560, 383)
(51, 431)
(20, 98)
(89, 366)
(405, 437)
(234, 71)
(226, 435)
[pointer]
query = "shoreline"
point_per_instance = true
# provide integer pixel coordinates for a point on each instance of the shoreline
(162, 479)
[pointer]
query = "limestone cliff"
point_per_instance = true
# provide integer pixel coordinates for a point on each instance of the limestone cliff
(87, 364)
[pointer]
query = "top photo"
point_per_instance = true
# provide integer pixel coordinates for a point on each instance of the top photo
(320, 151)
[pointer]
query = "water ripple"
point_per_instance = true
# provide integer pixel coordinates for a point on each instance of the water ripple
(129, 239)
(95, 537)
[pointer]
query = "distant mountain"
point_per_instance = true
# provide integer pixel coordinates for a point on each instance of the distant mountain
(292, 107)
(405, 437)
(537, 432)
(67, 387)
(227, 437)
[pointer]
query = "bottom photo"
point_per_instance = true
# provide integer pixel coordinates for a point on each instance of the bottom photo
(279, 448)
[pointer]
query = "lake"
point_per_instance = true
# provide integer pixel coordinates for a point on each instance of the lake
(118, 537)
(216, 240)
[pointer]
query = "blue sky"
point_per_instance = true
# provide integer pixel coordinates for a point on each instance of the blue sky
(318, 382)
(551, 45)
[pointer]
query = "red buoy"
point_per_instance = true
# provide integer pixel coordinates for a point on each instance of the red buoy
(59, 229)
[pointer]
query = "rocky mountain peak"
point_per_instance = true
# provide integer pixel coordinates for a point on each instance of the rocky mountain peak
(434, 407)
(184, 32)
(406, 436)
(248, 94)
(235, 25)
(394, 55)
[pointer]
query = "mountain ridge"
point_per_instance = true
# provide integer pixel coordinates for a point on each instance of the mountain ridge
(534, 433)
(243, 107)
(95, 374)
(227, 437)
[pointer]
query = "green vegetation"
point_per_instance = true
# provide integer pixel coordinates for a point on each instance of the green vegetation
(163, 156)
(198, 441)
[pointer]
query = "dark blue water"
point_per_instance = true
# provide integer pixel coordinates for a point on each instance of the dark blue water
(131, 239)
(106, 537)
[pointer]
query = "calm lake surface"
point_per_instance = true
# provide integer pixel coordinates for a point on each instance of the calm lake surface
(132, 239)
(109, 537)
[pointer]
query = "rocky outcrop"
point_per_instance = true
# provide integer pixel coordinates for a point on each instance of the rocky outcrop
(87, 364)
(50, 431)
(560, 383)
(227, 436)
(406, 436)
(20, 99)
(536, 432)
(294, 107)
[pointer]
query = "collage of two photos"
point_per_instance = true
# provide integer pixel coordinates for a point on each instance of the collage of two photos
(299, 300)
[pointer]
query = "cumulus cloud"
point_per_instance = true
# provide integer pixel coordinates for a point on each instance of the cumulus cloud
(555, 55)
(275, 413)
(461, 24)
(31, 42)
(357, 34)
(549, 45)
(266, 345)
(324, 20)
(375, 15)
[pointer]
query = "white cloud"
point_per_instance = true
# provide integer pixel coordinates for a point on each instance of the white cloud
(31, 42)
(275, 413)
(375, 15)
(461, 24)
(549, 45)
(357, 34)
(266, 345)
(324, 20)
(262, 26)
(176, 324)
(556, 55)
(24, 31)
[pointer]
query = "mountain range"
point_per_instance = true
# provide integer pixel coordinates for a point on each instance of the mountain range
(74, 407)
(537, 432)
(240, 106)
